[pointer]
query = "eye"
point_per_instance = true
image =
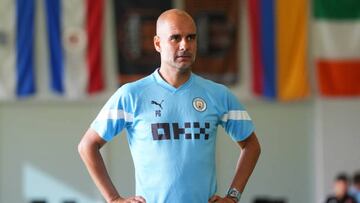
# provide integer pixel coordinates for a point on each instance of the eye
(175, 38)
(191, 37)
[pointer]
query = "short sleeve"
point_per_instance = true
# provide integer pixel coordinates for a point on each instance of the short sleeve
(114, 115)
(236, 120)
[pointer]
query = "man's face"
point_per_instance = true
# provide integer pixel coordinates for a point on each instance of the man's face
(176, 42)
(340, 188)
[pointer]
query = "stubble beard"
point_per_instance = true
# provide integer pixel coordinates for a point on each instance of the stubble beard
(180, 67)
(183, 67)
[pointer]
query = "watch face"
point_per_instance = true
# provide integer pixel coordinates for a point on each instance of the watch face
(233, 193)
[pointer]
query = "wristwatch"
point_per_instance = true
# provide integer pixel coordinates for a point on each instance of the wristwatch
(234, 194)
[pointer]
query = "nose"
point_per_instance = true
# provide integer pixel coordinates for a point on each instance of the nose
(184, 45)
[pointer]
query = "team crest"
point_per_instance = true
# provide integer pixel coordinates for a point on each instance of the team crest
(75, 40)
(199, 104)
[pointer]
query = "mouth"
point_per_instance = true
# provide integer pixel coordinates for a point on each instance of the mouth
(185, 57)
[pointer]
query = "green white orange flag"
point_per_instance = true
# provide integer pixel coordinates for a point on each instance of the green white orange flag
(336, 31)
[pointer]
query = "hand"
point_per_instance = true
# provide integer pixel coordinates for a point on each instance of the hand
(134, 199)
(218, 199)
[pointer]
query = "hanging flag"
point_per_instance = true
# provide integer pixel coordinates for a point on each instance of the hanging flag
(135, 28)
(217, 30)
(278, 47)
(75, 45)
(336, 30)
(17, 74)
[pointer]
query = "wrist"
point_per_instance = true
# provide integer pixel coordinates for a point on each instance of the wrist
(232, 199)
(115, 199)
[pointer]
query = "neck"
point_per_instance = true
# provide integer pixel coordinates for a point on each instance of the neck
(175, 77)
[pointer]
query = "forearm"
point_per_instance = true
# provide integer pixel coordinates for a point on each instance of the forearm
(246, 164)
(96, 167)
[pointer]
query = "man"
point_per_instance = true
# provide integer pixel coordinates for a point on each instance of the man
(171, 118)
(341, 186)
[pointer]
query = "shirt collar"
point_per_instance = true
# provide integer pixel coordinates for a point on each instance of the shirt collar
(169, 87)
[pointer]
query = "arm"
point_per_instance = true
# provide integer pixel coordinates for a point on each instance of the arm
(250, 152)
(89, 150)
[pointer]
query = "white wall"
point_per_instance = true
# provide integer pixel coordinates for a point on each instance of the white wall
(43, 136)
(39, 159)
(337, 139)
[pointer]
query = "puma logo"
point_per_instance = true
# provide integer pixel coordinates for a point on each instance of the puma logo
(158, 104)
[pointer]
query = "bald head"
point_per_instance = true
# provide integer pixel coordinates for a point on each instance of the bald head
(175, 40)
(173, 16)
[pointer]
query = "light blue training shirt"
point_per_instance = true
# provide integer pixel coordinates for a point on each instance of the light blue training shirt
(172, 133)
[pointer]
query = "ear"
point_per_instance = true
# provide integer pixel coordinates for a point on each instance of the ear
(157, 43)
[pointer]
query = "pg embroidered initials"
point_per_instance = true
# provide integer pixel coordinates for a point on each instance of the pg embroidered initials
(157, 113)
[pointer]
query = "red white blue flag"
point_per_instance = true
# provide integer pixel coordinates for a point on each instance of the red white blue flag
(75, 30)
(74, 38)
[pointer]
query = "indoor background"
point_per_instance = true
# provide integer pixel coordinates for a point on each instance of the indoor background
(305, 143)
